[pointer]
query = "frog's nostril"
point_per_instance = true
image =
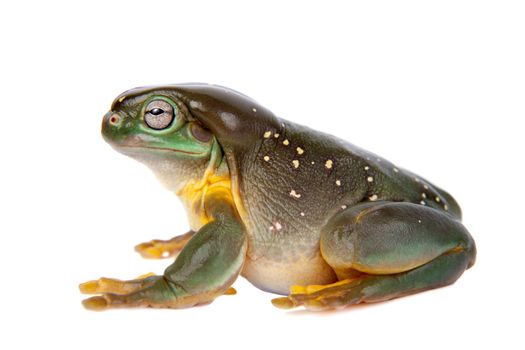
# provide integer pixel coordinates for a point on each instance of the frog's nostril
(114, 119)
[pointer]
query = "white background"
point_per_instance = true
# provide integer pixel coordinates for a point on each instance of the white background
(437, 88)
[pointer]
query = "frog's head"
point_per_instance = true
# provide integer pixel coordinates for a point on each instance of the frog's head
(179, 130)
(156, 128)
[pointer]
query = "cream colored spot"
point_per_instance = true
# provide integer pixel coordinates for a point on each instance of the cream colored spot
(254, 109)
(445, 207)
(367, 167)
(266, 158)
(438, 199)
(122, 99)
(286, 142)
(300, 150)
(267, 134)
(419, 221)
(338, 182)
(370, 179)
(302, 213)
(295, 163)
(396, 170)
(423, 202)
(373, 197)
(416, 179)
(295, 194)
(313, 162)
(276, 226)
(329, 163)
(424, 195)
(425, 187)
(276, 135)
(343, 206)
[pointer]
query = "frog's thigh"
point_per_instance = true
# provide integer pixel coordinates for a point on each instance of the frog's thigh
(398, 248)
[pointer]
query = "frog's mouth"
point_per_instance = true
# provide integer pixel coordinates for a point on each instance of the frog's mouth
(161, 149)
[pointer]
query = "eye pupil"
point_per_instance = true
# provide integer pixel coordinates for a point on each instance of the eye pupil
(159, 114)
(156, 111)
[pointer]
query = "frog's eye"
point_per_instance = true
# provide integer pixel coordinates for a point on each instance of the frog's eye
(158, 115)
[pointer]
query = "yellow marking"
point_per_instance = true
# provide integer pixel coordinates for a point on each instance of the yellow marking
(438, 199)
(266, 158)
(122, 99)
(276, 135)
(329, 163)
(362, 213)
(295, 163)
(370, 179)
(317, 287)
(373, 197)
(230, 291)
(445, 207)
(146, 275)
(457, 249)
(254, 110)
(194, 195)
(396, 170)
(300, 150)
(424, 195)
(286, 142)
(267, 134)
(338, 182)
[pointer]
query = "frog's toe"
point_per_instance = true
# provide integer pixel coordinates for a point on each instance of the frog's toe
(284, 303)
(97, 303)
(160, 249)
(112, 285)
(154, 249)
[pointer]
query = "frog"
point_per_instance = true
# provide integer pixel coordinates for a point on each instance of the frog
(314, 219)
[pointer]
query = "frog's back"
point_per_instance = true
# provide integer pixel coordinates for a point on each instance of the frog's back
(295, 179)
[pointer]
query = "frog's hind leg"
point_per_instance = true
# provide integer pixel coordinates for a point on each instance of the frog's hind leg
(384, 250)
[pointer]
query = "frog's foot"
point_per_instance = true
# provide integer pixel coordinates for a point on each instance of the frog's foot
(148, 290)
(159, 249)
(152, 291)
(399, 249)
(318, 297)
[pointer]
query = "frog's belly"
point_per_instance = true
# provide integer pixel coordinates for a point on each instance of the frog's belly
(278, 277)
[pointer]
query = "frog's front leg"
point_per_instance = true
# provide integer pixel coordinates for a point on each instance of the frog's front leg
(205, 269)
(158, 248)
(384, 250)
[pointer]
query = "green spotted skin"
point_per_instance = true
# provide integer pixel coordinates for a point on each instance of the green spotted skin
(297, 179)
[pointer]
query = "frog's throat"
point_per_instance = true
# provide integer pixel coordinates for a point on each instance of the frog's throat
(216, 178)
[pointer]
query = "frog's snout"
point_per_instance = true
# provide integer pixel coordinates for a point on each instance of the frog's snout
(114, 119)
(110, 125)
(111, 119)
